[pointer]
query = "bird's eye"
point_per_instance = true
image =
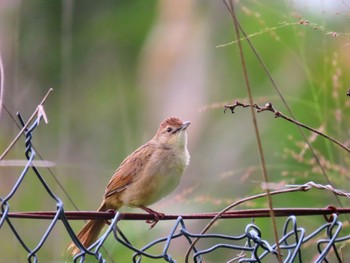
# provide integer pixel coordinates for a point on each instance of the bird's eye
(169, 130)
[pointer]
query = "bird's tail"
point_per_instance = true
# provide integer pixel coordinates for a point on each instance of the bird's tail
(89, 233)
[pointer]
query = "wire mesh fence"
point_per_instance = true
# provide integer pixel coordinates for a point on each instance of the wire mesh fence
(249, 246)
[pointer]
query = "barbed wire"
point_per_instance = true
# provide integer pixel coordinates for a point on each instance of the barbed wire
(278, 114)
(249, 246)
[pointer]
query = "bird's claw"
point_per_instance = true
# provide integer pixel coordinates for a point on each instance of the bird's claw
(157, 216)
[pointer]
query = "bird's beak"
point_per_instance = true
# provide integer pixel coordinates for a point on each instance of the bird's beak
(185, 125)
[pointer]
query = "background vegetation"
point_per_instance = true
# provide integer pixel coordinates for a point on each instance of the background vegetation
(118, 68)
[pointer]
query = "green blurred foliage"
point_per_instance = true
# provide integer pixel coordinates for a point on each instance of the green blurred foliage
(96, 54)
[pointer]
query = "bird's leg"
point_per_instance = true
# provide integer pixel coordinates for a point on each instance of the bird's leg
(155, 214)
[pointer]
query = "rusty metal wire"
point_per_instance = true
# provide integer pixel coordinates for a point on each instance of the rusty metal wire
(249, 246)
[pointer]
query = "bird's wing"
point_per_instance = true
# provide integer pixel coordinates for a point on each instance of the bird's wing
(130, 169)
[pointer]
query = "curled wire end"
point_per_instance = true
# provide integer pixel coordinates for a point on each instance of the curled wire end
(333, 210)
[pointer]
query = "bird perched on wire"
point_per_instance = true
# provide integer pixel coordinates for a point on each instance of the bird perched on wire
(148, 174)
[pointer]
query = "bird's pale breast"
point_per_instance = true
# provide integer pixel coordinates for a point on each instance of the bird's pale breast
(160, 177)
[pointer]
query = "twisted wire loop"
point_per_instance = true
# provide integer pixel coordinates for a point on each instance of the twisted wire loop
(250, 246)
(95, 247)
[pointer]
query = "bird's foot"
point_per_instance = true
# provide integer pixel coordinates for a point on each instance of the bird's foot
(156, 216)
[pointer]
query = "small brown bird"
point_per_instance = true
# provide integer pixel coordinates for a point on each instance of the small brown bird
(151, 172)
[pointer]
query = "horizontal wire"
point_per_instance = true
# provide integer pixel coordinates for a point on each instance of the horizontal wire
(247, 213)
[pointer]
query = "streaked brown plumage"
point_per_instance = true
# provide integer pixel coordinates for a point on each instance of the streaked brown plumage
(144, 177)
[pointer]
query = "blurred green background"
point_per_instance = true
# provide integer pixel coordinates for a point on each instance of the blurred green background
(118, 68)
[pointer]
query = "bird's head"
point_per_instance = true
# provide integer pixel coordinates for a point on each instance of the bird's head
(172, 132)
